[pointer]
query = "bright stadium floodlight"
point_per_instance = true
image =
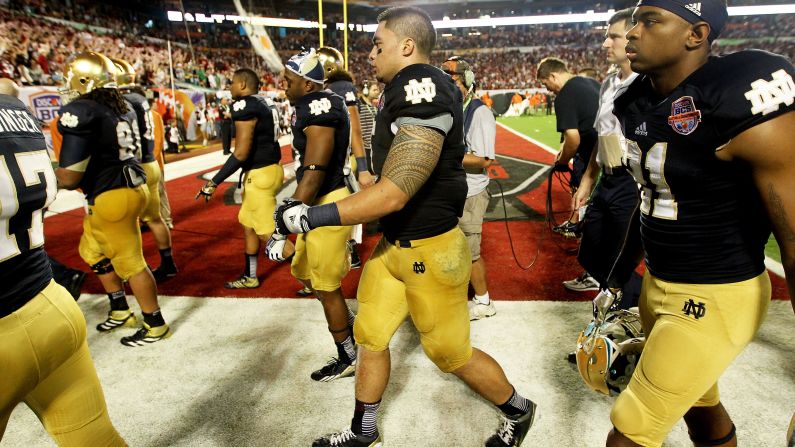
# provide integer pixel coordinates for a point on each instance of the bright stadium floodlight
(761, 10)
(448, 23)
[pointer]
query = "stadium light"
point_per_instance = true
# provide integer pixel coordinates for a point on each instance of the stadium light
(448, 23)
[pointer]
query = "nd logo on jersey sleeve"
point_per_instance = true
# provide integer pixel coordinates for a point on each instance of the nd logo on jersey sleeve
(319, 106)
(416, 92)
(767, 96)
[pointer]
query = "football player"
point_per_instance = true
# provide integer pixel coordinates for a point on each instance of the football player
(321, 136)
(125, 78)
(257, 154)
(421, 266)
(43, 351)
(71, 279)
(340, 81)
(100, 139)
(710, 140)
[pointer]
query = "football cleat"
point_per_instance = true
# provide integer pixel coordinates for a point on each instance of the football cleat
(147, 335)
(116, 319)
(513, 429)
(334, 369)
(306, 291)
(569, 229)
(479, 310)
(347, 438)
(165, 272)
(583, 283)
(244, 282)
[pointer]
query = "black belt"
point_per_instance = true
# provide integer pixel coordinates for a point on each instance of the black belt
(618, 171)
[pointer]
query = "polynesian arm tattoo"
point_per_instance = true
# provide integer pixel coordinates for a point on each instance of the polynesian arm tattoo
(413, 157)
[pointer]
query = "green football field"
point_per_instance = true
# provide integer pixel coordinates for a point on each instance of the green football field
(542, 129)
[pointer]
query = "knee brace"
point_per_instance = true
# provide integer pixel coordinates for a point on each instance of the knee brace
(102, 267)
(719, 441)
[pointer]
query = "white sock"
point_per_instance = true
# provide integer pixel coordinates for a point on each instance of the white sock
(482, 299)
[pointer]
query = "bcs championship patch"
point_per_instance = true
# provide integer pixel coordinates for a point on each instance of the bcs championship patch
(684, 116)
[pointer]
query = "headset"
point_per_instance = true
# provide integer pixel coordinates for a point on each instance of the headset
(459, 65)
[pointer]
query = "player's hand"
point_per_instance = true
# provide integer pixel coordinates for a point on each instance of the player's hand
(207, 191)
(291, 217)
(366, 179)
(274, 249)
(580, 198)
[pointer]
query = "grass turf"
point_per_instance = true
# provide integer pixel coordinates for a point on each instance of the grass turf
(542, 128)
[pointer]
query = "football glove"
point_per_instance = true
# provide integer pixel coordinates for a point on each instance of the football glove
(291, 217)
(274, 249)
(207, 191)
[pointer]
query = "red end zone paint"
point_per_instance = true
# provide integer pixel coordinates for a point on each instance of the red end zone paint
(208, 244)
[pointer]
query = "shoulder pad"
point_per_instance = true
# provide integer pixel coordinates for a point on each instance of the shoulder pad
(346, 90)
(245, 108)
(747, 88)
(320, 109)
(421, 91)
(77, 116)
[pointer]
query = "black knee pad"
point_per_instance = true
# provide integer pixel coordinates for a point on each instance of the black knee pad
(720, 441)
(102, 267)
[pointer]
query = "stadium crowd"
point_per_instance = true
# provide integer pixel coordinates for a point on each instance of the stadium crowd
(34, 48)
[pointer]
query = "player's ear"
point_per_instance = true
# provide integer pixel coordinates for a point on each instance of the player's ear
(407, 46)
(699, 35)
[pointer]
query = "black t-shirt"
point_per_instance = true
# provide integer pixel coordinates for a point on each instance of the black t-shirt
(424, 92)
(27, 185)
(323, 109)
(146, 127)
(576, 107)
(265, 149)
(95, 134)
(702, 220)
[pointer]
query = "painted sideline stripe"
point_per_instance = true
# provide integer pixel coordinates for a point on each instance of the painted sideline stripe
(525, 137)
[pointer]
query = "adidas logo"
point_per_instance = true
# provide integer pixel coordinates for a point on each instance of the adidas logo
(641, 130)
(695, 8)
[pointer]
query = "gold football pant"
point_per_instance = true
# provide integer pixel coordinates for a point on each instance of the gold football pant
(428, 281)
(321, 255)
(260, 187)
(693, 332)
(153, 174)
(110, 230)
(45, 362)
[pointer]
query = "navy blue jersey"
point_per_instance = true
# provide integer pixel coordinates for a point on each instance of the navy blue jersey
(101, 144)
(146, 127)
(424, 92)
(346, 90)
(265, 149)
(327, 110)
(27, 185)
(702, 220)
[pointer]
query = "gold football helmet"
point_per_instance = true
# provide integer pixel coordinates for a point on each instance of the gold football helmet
(331, 59)
(608, 351)
(86, 72)
(125, 73)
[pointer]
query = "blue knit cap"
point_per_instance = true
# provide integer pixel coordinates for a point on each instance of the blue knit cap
(307, 65)
(711, 11)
